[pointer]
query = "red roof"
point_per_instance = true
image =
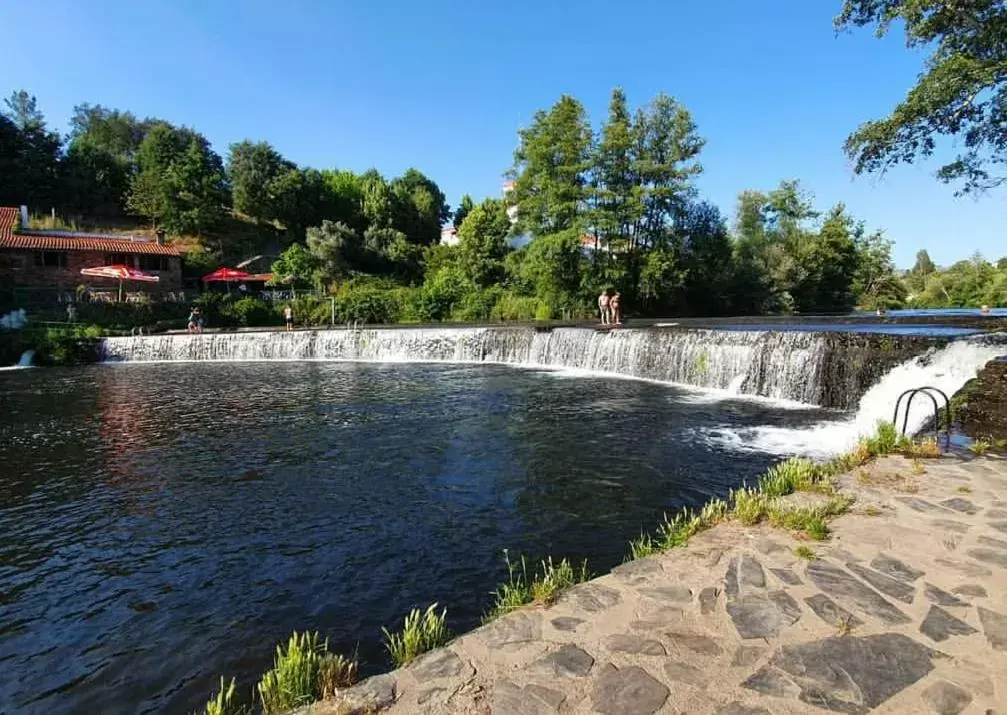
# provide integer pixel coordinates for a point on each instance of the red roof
(40, 241)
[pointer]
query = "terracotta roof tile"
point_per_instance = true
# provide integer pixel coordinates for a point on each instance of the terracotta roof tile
(44, 242)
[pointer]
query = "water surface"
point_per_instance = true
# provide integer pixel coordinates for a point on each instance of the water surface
(163, 524)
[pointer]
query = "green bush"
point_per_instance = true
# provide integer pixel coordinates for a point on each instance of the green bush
(303, 673)
(420, 633)
(511, 306)
(477, 305)
(251, 312)
(367, 303)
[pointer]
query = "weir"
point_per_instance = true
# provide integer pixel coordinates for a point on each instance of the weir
(817, 368)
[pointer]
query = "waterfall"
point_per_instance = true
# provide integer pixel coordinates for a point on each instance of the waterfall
(813, 368)
(947, 368)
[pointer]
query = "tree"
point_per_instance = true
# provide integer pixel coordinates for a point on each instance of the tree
(94, 181)
(829, 265)
(296, 264)
(115, 132)
(707, 259)
(618, 204)
(668, 149)
(875, 283)
(550, 169)
(552, 264)
(254, 171)
(32, 151)
(376, 200)
(333, 244)
(483, 242)
(465, 206)
(22, 109)
(180, 183)
(419, 207)
(961, 93)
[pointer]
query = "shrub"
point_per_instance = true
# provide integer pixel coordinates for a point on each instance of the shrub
(302, 673)
(794, 475)
(420, 633)
(749, 505)
(543, 586)
(477, 305)
(980, 447)
(510, 306)
(366, 303)
(250, 312)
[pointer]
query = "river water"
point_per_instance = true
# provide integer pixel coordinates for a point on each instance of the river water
(163, 524)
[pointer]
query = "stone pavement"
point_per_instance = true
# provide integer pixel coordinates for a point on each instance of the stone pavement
(903, 611)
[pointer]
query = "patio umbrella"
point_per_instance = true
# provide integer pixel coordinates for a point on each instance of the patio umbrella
(120, 273)
(227, 275)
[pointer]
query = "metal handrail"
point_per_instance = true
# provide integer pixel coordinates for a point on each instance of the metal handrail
(928, 391)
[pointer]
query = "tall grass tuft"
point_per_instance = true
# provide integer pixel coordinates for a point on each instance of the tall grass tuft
(794, 475)
(303, 673)
(542, 586)
(980, 447)
(884, 441)
(749, 505)
(420, 633)
(335, 672)
(224, 702)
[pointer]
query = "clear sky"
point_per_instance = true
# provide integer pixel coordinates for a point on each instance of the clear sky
(443, 85)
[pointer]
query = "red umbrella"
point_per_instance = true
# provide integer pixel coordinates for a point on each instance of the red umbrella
(227, 275)
(120, 273)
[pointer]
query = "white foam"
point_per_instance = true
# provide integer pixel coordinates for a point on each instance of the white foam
(947, 369)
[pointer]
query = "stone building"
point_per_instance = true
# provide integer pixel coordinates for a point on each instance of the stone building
(39, 267)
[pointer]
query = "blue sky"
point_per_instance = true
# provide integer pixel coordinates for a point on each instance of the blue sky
(443, 85)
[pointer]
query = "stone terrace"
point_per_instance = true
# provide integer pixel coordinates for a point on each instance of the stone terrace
(903, 611)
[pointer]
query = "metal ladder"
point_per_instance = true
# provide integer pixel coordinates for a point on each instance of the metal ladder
(929, 392)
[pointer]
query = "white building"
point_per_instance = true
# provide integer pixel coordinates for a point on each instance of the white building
(449, 234)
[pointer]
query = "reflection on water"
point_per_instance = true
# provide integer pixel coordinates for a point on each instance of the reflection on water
(161, 525)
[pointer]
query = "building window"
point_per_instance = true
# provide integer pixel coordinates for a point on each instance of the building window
(153, 263)
(118, 259)
(51, 259)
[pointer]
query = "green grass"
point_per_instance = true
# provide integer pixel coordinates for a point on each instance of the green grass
(303, 673)
(753, 505)
(749, 505)
(541, 586)
(794, 475)
(421, 632)
(224, 702)
(804, 552)
(916, 467)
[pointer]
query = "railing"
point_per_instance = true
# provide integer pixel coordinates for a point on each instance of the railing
(929, 392)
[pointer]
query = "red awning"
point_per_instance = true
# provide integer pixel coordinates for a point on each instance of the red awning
(228, 275)
(119, 272)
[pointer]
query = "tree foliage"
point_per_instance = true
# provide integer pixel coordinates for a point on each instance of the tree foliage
(612, 206)
(961, 93)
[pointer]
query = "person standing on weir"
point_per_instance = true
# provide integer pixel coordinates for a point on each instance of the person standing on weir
(615, 307)
(603, 307)
(288, 316)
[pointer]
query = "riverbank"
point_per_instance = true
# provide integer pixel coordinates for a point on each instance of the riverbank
(904, 610)
(58, 345)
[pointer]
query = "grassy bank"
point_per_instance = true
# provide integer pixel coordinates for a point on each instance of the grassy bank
(75, 344)
(306, 671)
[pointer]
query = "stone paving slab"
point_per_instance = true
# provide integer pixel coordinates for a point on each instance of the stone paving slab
(903, 611)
